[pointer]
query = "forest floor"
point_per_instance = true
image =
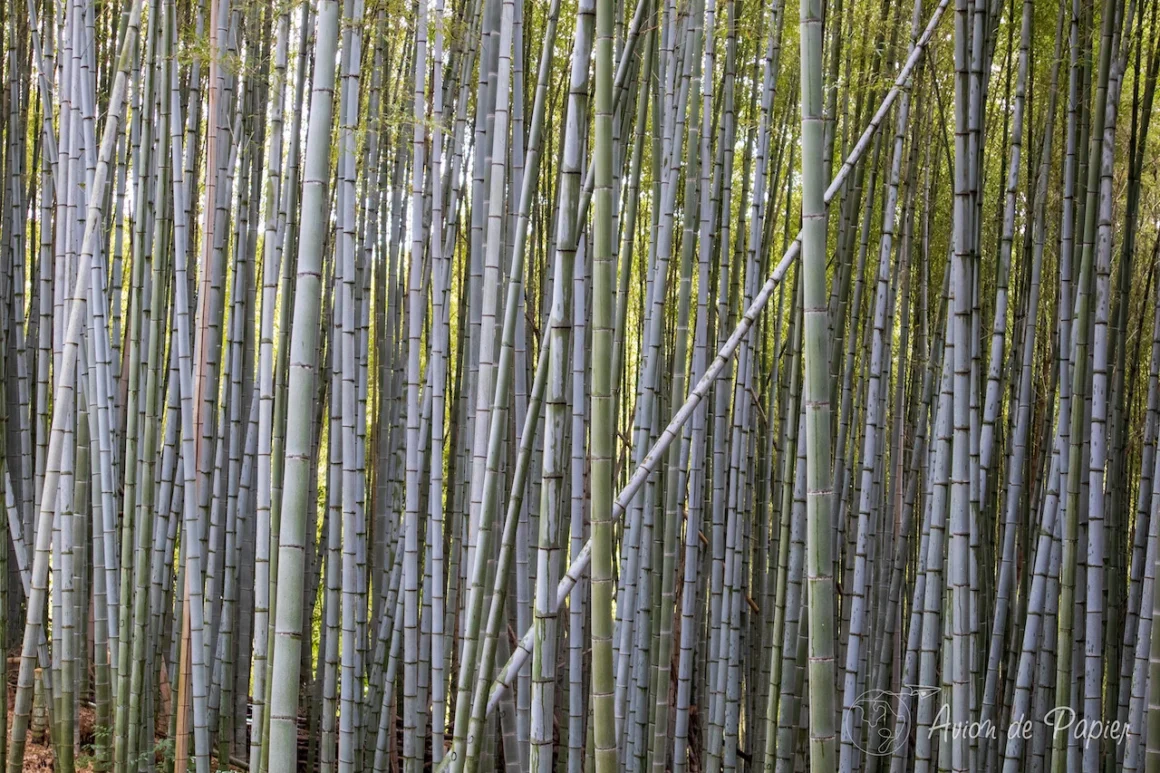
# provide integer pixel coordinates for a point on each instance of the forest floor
(38, 752)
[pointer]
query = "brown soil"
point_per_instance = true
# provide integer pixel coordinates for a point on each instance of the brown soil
(38, 753)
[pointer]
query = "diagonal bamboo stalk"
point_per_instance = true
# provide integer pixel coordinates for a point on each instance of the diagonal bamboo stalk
(656, 452)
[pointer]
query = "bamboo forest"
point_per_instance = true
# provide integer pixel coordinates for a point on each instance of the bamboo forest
(580, 386)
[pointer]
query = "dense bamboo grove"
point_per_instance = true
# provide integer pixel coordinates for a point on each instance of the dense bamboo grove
(580, 386)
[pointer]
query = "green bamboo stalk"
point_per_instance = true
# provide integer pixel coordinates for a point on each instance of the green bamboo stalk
(819, 564)
(303, 363)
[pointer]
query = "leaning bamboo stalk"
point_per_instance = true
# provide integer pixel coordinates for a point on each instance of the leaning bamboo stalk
(656, 452)
(63, 392)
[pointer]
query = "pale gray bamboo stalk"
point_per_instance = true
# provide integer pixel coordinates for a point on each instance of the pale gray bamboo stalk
(1094, 640)
(441, 337)
(932, 622)
(792, 668)
(271, 269)
(283, 707)
(353, 592)
(416, 308)
(695, 451)
(991, 404)
(958, 554)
